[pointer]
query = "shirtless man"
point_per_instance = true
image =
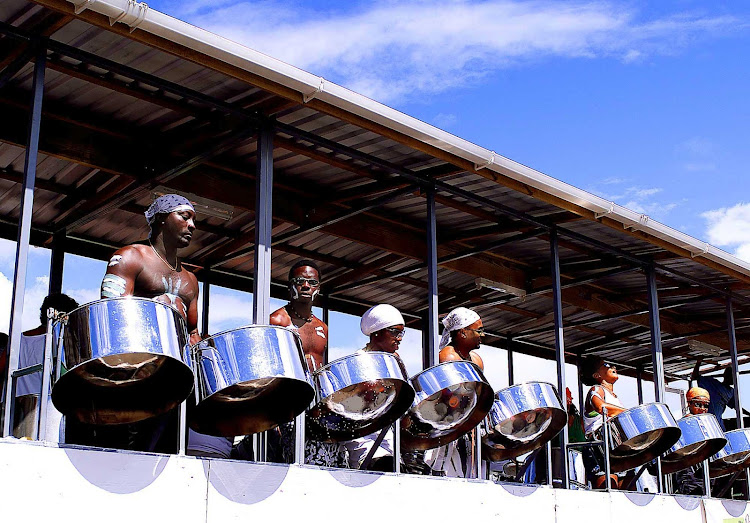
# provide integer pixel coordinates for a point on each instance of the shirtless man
(462, 335)
(304, 286)
(153, 270)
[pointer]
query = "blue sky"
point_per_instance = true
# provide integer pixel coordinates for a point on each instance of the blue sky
(643, 103)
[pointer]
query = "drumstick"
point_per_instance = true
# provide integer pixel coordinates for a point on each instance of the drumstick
(376, 445)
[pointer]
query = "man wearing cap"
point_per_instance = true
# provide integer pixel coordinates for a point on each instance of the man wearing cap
(690, 481)
(384, 325)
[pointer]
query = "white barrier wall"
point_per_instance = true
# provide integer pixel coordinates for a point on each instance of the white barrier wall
(46, 483)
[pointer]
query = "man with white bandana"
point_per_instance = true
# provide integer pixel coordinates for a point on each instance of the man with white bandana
(462, 335)
(385, 326)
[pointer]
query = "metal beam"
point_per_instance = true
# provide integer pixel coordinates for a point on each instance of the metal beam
(432, 348)
(16, 65)
(24, 229)
(657, 356)
(559, 345)
(263, 226)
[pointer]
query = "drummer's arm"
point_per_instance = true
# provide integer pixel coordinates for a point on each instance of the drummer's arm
(598, 404)
(696, 370)
(122, 270)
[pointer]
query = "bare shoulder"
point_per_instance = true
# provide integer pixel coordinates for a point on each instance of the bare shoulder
(280, 317)
(448, 353)
(130, 254)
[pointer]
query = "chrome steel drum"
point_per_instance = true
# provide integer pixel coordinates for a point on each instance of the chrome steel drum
(701, 438)
(124, 361)
(523, 417)
(735, 455)
(250, 379)
(452, 398)
(639, 435)
(357, 395)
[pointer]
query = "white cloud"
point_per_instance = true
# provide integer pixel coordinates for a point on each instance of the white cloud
(730, 228)
(637, 198)
(229, 311)
(398, 49)
(32, 301)
(444, 121)
(83, 296)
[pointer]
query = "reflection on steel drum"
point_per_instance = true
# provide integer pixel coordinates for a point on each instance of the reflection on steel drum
(735, 455)
(701, 438)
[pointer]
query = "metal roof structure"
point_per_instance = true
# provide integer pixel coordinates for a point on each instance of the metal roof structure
(136, 102)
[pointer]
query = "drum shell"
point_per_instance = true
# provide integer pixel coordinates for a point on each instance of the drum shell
(126, 361)
(250, 379)
(357, 395)
(701, 438)
(640, 434)
(516, 404)
(451, 399)
(735, 455)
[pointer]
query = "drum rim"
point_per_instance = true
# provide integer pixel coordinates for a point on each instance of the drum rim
(610, 419)
(121, 298)
(530, 382)
(244, 327)
(452, 362)
(353, 355)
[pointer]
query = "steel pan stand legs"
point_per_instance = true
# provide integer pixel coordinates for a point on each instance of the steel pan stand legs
(607, 471)
(549, 464)
(182, 429)
(299, 439)
(397, 447)
(46, 371)
(706, 480)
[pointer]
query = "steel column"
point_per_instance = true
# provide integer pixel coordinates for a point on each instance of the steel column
(639, 384)
(433, 348)
(511, 369)
(656, 352)
(559, 345)
(263, 226)
(735, 364)
(57, 263)
(24, 227)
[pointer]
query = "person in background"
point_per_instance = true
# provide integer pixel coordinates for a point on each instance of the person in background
(690, 481)
(720, 392)
(29, 387)
(601, 377)
(385, 327)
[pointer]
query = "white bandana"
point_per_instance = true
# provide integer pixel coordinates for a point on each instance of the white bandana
(379, 317)
(458, 318)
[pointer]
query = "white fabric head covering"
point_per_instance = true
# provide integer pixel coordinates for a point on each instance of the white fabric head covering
(458, 318)
(379, 317)
(167, 203)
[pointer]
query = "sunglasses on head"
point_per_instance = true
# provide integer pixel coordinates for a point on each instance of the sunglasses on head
(608, 365)
(396, 333)
(300, 281)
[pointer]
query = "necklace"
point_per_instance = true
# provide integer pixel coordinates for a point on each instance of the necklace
(162, 259)
(307, 320)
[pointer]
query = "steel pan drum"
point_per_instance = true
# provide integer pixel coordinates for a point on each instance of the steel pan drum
(522, 418)
(124, 361)
(701, 438)
(357, 395)
(250, 379)
(452, 398)
(640, 434)
(735, 455)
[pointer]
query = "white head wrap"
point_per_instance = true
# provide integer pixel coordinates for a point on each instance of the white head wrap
(168, 203)
(379, 317)
(458, 318)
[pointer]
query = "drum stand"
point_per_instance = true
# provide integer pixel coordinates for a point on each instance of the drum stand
(45, 368)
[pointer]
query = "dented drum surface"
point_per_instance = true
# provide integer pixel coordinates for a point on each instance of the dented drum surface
(357, 395)
(735, 455)
(523, 418)
(640, 434)
(124, 361)
(451, 399)
(701, 438)
(250, 379)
